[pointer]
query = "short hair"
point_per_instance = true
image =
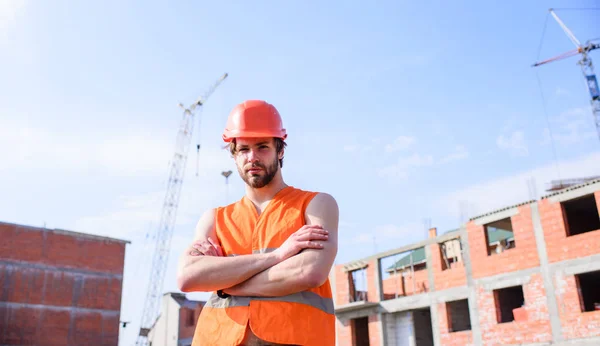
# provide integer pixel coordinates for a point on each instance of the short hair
(280, 144)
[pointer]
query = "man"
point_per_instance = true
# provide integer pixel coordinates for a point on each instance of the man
(268, 255)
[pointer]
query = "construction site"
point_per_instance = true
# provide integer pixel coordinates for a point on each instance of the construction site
(524, 274)
(527, 274)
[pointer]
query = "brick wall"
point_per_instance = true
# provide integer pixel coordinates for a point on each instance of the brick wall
(394, 284)
(344, 332)
(374, 333)
(575, 324)
(535, 330)
(343, 279)
(59, 288)
(371, 281)
(61, 249)
(443, 279)
(559, 246)
(342, 288)
(523, 256)
(453, 277)
(447, 338)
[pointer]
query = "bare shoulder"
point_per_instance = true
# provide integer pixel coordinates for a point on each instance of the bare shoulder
(323, 207)
(206, 225)
(323, 201)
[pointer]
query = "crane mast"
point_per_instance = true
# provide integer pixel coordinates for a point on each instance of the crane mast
(587, 68)
(169, 213)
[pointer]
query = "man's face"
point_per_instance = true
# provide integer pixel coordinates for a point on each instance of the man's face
(257, 160)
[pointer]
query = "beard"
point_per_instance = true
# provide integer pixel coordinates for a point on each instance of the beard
(262, 179)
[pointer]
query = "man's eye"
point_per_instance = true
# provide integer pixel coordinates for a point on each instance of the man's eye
(244, 149)
(263, 147)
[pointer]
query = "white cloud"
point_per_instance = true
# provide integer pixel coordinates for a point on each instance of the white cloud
(460, 153)
(417, 160)
(405, 164)
(392, 231)
(571, 126)
(498, 193)
(513, 143)
(23, 147)
(401, 168)
(393, 171)
(400, 143)
(355, 148)
(128, 217)
(383, 233)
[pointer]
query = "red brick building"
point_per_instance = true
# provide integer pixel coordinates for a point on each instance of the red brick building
(527, 274)
(59, 287)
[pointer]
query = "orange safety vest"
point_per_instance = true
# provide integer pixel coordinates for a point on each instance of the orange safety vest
(304, 318)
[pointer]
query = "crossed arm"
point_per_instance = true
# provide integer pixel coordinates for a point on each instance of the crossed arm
(282, 272)
(308, 269)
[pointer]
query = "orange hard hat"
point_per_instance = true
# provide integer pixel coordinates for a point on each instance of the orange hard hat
(254, 118)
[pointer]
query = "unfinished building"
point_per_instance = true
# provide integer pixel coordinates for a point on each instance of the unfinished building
(527, 274)
(59, 287)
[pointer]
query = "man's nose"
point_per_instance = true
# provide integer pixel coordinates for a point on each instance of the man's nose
(252, 157)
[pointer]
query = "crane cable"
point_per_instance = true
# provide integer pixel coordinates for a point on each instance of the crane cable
(199, 115)
(552, 143)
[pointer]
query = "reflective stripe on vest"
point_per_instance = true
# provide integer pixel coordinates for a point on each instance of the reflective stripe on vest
(306, 297)
(267, 250)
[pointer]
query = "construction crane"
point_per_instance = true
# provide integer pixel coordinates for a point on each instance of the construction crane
(586, 66)
(169, 213)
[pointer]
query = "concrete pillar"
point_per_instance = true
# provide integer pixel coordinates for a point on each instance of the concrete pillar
(540, 241)
(473, 307)
(430, 275)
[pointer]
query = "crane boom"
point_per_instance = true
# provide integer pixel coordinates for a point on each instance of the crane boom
(566, 29)
(587, 68)
(169, 214)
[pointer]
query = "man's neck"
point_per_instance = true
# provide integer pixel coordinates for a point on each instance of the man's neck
(265, 194)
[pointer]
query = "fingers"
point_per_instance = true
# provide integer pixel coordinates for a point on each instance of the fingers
(312, 245)
(217, 247)
(309, 227)
(205, 248)
(314, 234)
(303, 231)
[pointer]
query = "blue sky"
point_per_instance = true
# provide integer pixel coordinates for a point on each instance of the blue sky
(402, 111)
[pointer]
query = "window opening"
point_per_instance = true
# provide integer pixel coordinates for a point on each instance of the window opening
(508, 299)
(499, 236)
(581, 215)
(588, 285)
(459, 317)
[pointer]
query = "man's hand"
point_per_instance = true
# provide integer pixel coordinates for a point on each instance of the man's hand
(207, 247)
(307, 237)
